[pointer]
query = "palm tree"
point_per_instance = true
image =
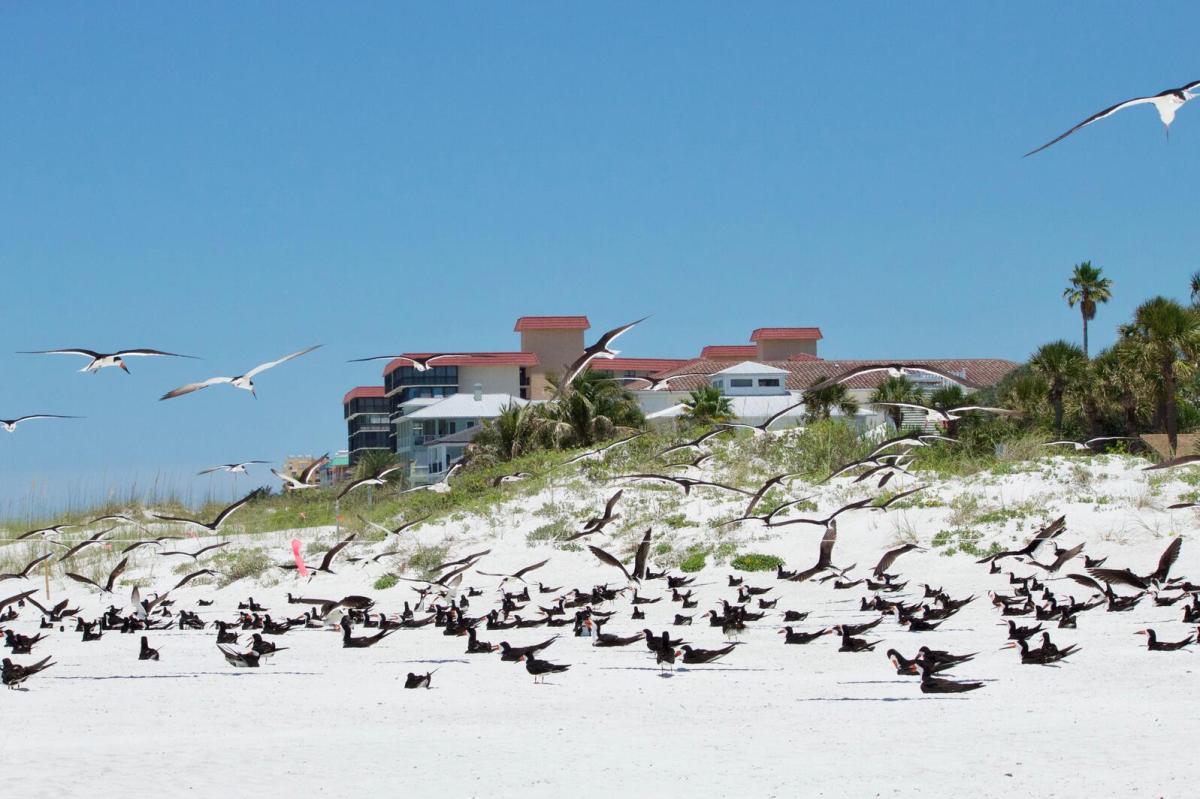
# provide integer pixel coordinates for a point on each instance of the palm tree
(897, 389)
(1195, 286)
(1087, 288)
(1170, 335)
(1061, 364)
(1121, 381)
(707, 405)
(592, 409)
(946, 397)
(819, 403)
(511, 434)
(374, 461)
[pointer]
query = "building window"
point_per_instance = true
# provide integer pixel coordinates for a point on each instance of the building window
(740, 382)
(769, 381)
(717, 384)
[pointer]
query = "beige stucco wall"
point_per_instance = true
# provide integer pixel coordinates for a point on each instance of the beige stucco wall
(556, 349)
(780, 350)
(494, 379)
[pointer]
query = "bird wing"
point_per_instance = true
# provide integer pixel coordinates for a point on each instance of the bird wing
(1119, 576)
(213, 469)
(285, 478)
(336, 548)
(528, 569)
(88, 353)
(775, 416)
(138, 353)
(611, 561)
(1169, 555)
(985, 409)
(16, 598)
(79, 578)
(844, 376)
(921, 367)
(1180, 461)
(382, 358)
(29, 566)
(762, 490)
(191, 577)
(227, 512)
(202, 550)
(190, 387)
(182, 519)
(901, 495)
(1093, 118)
(32, 416)
(890, 556)
(114, 574)
(639, 560)
(307, 473)
(1064, 557)
(711, 484)
(262, 367)
(825, 553)
(612, 335)
(862, 503)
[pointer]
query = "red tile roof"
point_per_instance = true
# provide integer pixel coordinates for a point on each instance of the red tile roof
(803, 373)
(804, 356)
(729, 351)
(362, 391)
(552, 323)
(637, 364)
(471, 359)
(786, 334)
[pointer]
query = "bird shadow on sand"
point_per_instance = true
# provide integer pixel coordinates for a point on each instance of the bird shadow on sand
(679, 671)
(869, 698)
(193, 675)
(911, 681)
(429, 660)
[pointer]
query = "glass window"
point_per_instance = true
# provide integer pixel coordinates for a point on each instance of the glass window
(741, 382)
(769, 381)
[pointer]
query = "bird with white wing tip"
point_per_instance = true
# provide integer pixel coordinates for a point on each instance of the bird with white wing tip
(244, 381)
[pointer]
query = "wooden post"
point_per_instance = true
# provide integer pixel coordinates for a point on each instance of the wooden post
(46, 572)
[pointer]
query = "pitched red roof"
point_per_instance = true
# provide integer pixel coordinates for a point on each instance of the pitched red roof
(471, 359)
(804, 356)
(729, 351)
(636, 364)
(552, 323)
(362, 391)
(803, 373)
(786, 334)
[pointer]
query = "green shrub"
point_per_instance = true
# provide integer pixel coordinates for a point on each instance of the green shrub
(241, 563)
(423, 559)
(756, 562)
(386, 581)
(694, 562)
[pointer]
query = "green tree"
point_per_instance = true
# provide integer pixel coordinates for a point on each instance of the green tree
(593, 408)
(1195, 287)
(1061, 363)
(511, 434)
(707, 405)
(1121, 382)
(374, 461)
(897, 389)
(820, 403)
(1170, 336)
(946, 397)
(1087, 288)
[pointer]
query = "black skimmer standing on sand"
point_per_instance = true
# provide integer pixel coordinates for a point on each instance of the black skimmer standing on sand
(538, 669)
(244, 381)
(103, 360)
(1166, 103)
(1155, 645)
(13, 674)
(146, 653)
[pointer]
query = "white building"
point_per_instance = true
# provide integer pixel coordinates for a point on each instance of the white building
(434, 431)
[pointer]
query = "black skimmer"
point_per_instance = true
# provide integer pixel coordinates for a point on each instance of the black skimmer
(600, 349)
(515, 653)
(305, 478)
(1182, 460)
(103, 360)
(1155, 645)
(828, 520)
(1044, 655)
(378, 479)
(892, 370)
(151, 542)
(694, 442)
(949, 414)
(195, 555)
(824, 556)
(940, 685)
(244, 381)
(639, 567)
(686, 483)
(662, 383)
(419, 680)
(1167, 103)
(327, 560)
(24, 573)
(188, 578)
(1052, 530)
(519, 574)
(13, 674)
(1153, 579)
(765, 426)
(146, 653)
(795, 637)
(95, 538)
(232, 468)
(360, 642)
(108, 584)
(10, 425)
(889, 558)
(593, 453)
(1063, 556)
(1090, 444)
(540, 668)
(243, 660)
(216, 523)
(419, 362)
(45, 532)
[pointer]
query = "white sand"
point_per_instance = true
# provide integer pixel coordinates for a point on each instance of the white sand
(770, 720)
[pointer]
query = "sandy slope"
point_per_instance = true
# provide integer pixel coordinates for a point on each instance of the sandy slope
(771, 720)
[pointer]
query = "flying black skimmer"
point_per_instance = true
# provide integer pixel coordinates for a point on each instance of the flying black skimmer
(892, 370)
(232, 468)
(244, 382)
(377, 479)
(639, 564)
(304, 479)
(600, 349)
(102, 360)
(216, 523)
(418, 362)
(108, 584)
(686, 483)
(1167, 103)
(1084, 446)
(10, 425)
(662, 383)
(519, 574)
(950, 414)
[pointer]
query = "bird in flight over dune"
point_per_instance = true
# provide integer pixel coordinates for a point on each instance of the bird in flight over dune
(244, 382)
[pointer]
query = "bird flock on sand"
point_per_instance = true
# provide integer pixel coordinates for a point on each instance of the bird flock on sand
(461, 599)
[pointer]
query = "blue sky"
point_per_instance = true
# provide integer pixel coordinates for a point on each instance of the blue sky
(238, 183)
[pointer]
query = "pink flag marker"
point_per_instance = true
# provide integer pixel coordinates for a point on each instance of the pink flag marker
(300, 567)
